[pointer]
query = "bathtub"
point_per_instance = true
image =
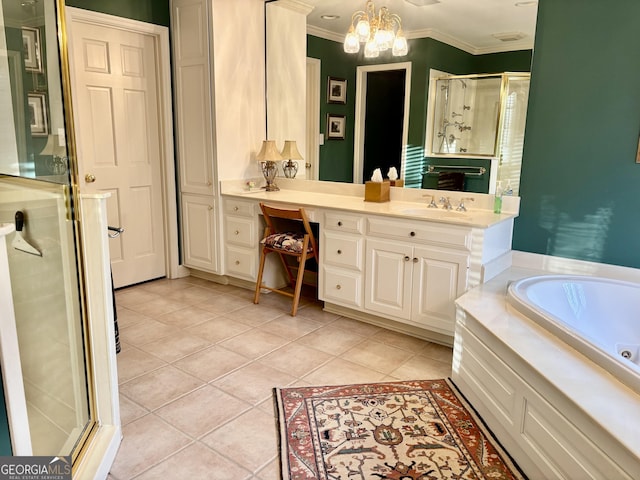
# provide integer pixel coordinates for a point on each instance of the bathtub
(598, 317)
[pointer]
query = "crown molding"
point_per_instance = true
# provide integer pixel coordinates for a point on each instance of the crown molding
(296, 5)
(524, 44)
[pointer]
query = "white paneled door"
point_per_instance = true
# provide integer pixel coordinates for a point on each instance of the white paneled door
(118, 134)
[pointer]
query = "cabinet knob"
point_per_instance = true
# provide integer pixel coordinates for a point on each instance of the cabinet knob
(235, 209)
(338, 287)
(210, 207)
(339, 224)
(407, 258)
(339, 252)
(209, 183)
(415, 259)
(237, 262)
(413, 234)
(237, 232)
(89, 178)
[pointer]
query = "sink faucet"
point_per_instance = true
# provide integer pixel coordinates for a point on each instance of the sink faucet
(432, 203)
(461, 207)
(446, 203)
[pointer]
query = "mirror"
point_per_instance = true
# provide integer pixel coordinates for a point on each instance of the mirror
(33, 140)
(462, 39)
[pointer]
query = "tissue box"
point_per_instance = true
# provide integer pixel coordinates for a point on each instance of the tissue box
(377, 191)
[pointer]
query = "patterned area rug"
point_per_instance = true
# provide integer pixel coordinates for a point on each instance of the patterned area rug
(416, 430)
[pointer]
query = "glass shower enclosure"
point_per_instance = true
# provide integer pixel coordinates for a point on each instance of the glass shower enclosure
(45, 278)
(480, 116)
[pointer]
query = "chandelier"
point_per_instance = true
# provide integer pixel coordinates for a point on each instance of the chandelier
(379, 32)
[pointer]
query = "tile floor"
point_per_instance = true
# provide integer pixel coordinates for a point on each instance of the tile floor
(199, 361)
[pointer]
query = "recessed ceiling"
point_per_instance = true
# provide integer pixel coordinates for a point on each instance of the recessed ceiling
(475, 26)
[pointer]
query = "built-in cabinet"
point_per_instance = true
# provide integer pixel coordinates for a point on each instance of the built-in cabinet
(416, 284)
(199, 232)
(194, 133)
(241, 239)
(398, 271)
(342, 259)
(414, 270)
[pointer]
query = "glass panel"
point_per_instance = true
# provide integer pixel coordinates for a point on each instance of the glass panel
(466, 116)
(32, 133)
(42, 257)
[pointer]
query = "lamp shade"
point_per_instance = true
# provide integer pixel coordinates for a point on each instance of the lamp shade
(290, 151)
(53, 147)
(268, 152)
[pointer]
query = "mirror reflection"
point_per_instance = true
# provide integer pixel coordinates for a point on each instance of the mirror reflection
(33, 137)
(464, 39)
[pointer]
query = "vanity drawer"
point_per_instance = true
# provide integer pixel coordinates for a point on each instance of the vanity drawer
(343, 287)
(241, 231)
(241, 262)
(422, 232)
(240, 207)
(342, 250)
(343, 222)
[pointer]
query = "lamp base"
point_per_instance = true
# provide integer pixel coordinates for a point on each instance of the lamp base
(290, 168)
(270, 170)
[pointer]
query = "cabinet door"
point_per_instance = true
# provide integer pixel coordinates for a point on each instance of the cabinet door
(439, 277)
(388, 279)
(189, 22)
(198, 232)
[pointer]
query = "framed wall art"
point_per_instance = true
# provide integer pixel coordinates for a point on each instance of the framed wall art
(31, 49)
(337, 90)
(336, 126)
(37, 112)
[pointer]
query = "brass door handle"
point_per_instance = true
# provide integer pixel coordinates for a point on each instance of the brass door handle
(89, 178)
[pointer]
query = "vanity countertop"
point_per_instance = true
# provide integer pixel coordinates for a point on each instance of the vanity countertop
(408, 203)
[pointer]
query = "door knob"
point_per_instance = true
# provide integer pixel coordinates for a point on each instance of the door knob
(89, 178)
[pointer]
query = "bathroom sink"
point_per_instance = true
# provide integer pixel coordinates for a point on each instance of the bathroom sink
(433, 213)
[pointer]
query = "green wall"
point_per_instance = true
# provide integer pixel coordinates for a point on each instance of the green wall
(580, 182)
(336, 156)
(150, 11)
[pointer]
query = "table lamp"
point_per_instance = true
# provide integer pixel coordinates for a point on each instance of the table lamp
(290, 153)
(268, 156)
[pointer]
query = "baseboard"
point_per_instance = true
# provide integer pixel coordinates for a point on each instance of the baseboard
(414, 331)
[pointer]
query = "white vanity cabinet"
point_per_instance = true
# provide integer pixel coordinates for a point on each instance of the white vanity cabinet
(342, 259)
(415, 271)
(241, 238)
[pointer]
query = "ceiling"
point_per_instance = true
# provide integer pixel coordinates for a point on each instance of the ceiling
(465, 24)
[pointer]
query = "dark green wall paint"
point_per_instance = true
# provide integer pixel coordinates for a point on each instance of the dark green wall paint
(580, 182)
(336, 156)
(150, 11)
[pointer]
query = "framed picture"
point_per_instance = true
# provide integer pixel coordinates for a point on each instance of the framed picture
(38, 114)
(337, 90)
(31, 48)
(335, 126)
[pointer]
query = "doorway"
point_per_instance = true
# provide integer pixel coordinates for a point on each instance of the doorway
(382, 119)
(122, 105)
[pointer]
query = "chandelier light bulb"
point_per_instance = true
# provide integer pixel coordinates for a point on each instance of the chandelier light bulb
(351, 42)
(363, 30)
(400, 46)
(371, 49)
